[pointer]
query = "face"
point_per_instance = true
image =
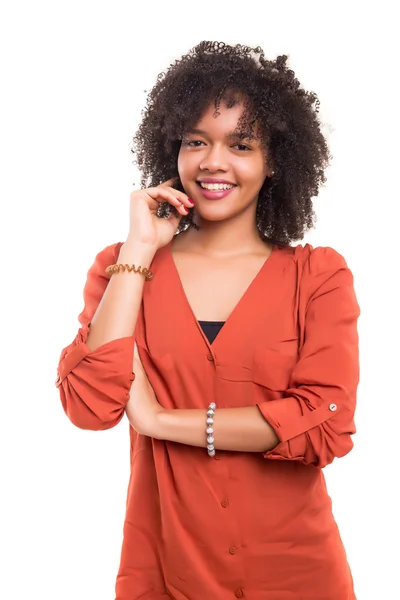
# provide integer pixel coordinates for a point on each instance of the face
(220, 172)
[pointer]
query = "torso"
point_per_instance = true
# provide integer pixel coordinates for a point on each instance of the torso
(247, 522)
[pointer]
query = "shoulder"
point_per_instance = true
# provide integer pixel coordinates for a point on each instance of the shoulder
(317, 266)
(324, 272)
(316, 260)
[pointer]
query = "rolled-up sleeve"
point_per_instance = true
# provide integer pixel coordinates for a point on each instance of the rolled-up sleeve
(94, 385)
(314, 421)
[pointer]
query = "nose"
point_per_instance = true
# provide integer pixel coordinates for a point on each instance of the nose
(215, 160)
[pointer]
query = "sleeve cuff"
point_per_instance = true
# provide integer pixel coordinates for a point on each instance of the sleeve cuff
(109, 354)
(289, 418)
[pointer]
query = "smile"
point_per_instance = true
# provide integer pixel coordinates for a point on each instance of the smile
(216, 186)
(215, 191)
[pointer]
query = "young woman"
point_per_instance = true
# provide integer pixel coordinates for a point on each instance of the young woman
(233, 351)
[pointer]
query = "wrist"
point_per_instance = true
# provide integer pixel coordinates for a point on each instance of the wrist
(137, 253)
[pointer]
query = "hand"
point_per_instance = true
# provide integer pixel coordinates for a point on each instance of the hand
(142, 408)
(148, 229)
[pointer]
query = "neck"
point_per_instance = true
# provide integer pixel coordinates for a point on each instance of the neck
(225, 238)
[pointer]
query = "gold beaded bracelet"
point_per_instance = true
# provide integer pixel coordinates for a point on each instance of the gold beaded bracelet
(111, 269)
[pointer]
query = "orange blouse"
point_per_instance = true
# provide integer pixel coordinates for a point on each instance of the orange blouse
(239, 525)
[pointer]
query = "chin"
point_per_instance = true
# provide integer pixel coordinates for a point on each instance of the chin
(215, 214)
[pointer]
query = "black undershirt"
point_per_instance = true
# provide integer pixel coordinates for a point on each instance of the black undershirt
(211, 329)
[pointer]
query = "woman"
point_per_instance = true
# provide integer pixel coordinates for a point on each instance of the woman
(244, 347)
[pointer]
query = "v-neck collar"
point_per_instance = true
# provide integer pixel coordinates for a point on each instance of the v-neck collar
(238, 307)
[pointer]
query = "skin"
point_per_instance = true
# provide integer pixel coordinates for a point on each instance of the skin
(224, 270)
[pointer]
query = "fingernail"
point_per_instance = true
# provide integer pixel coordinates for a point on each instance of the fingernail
(191, 201)
(186, 209)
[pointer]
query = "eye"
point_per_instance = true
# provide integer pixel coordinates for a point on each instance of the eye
(192, 143)
(242, 147)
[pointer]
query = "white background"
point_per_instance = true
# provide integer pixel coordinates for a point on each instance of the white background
(73, 76)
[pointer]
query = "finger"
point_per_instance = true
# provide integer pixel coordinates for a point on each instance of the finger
(171, 185)
(184, 198)
(163, 194)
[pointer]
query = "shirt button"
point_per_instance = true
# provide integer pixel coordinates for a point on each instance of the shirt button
(210, 357)
(224, 503)
(233, 550)
(332, 407)
(239, 593)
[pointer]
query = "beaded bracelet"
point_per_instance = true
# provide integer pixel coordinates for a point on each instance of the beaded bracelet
(210, 430)
(111, 269)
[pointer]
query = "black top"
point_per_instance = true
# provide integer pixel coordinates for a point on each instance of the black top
(211, 329)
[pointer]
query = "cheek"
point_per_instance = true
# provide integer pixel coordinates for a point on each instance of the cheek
(252, 173)
(186, 166)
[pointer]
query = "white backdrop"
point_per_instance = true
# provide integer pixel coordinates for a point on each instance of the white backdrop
(73, 77)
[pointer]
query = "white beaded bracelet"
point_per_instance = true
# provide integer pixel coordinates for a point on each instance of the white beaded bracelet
(210, 429)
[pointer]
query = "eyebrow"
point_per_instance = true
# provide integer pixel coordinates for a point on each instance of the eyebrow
(244, 135)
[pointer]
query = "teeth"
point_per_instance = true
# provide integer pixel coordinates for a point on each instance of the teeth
(216, 186)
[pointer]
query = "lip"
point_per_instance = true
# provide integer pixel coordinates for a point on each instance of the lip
(217, 194)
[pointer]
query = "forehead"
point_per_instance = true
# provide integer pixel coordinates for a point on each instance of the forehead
(227, 119)
(226, 123)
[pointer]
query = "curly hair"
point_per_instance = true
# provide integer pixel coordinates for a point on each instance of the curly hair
(286, 118)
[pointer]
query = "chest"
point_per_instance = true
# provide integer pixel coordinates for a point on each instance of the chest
(213, 288)
(256, 299)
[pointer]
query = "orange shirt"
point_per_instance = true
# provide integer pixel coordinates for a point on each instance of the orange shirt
(239, 525)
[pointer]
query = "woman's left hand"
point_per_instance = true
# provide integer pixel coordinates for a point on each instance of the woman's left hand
(142, 408)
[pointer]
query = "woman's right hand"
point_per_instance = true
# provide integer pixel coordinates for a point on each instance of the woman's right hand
(145, 227)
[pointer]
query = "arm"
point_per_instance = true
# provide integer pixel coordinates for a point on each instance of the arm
(117, 312)
(240, 429)
(95, 370)
(314, 421)
(237, 429)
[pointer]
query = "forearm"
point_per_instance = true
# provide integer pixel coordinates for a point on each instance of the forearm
(118, 310)
(235, 429)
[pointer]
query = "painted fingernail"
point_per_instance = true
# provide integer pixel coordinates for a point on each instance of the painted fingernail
(191, 201)
(186, 210)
